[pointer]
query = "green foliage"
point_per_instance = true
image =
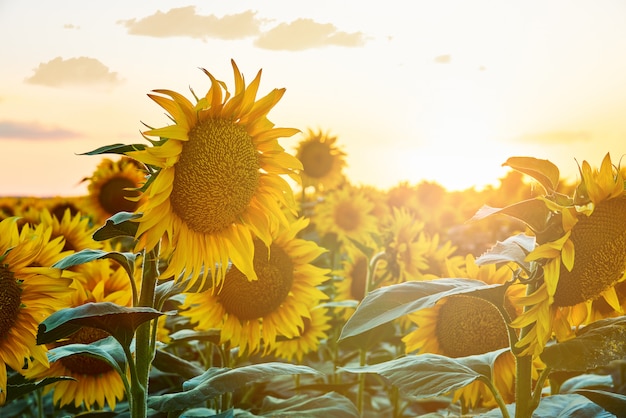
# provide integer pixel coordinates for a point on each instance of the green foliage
(119, 225)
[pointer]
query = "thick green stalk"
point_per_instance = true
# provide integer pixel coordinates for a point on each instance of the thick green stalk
(523, 375)
(144, 349)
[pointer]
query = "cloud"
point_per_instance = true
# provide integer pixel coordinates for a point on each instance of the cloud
(556, 137)
(443, 59)
(22, 130)
(73, 71)
(184, 21)
(305, 34)
(70, 26)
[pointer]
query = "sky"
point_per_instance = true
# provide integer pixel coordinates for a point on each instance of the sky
(441, 91)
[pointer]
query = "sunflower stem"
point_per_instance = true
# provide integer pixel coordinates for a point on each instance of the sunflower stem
(144, 348)
(523, 372)
(496, 396)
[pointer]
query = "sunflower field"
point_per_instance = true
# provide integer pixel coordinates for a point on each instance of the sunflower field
(208, 272)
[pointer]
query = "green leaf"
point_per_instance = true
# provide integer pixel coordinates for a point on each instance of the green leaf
(331, 405)
(216, 381)
(595, 345)
(514, 249)
(387, 303)
(106, 349)
(170, 363)
(186, 335)
(119, 321)
(423, 375)
(116, 149)
(16, 391)
(614, 403)
(533, 212)
(126, 260)
(586, 381)
(544, 171)
(559, 406)
(119, 225)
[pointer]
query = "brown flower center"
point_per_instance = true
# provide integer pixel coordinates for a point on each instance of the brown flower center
(600, 244)
(468, 325)
(112, 196)
(80, 363)
(254, 299)
(347, 217)
(316, 158)
(10, 301)
(217, 175)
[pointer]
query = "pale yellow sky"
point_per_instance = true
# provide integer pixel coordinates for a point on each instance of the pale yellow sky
(441, 90)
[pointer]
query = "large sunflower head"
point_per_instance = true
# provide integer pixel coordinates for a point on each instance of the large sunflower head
(250, 313)
(216, 178)
(95, 382)
(113, 187)
(581, 254)
(322, 161)
(29, 292)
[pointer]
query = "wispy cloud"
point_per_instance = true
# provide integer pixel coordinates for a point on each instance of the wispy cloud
(556, 137)
(306, 34)
(73, 71)
(70, 26)
(33, 131)
(184, 21)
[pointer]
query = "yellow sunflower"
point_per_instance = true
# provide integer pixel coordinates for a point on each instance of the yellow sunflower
(96, 383)
(217, 180)
(406, 246)
(346, 213)
(322, 161)
(311, 334)
(583, 263)
(29, 292)
(248, 312)
(464, 325)
(113, 188)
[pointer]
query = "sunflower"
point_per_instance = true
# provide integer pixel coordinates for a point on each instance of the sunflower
(217, 179)
(583, 263)
(322, 161)
(311, 334)
(29, 292)
(465, 325)
(406, 246)
(96, 383)
(76, 230)
(113, 188)
(346, 213)
(248, 311)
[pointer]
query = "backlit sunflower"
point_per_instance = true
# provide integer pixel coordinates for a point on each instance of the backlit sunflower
(217, 180)
(249, 312)
(406, 247)
(96, 383)
(322, 161)
(311, 334)
(29, 292)
(113, 188)
(347, 213)
(580, 263)
(464, 325)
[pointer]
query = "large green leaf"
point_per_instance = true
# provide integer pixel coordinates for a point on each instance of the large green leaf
(15, 391)
(514, 249)
(329, 405)
(115, 149)
(595, 345)
(391, 302)
(544, 171)
(170, 363)
(559, 406)
(119, 225)
(126, 260)
(119, 321)
(533, 212)
(424, 375)
(216, 381)
(106, 349)
(612, 402)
